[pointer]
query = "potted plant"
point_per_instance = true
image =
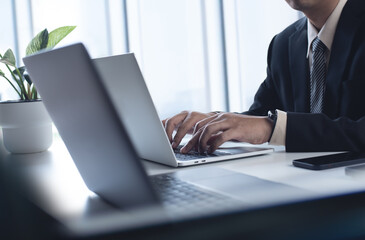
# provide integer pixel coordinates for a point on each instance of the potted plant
(25, 123)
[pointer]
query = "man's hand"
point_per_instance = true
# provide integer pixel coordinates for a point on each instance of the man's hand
(215, 130)
(183, 123)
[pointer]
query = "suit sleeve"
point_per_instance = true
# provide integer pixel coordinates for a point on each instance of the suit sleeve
(317, 132)
(266, 97)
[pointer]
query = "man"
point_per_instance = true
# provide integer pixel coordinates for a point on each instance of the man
(315, 83)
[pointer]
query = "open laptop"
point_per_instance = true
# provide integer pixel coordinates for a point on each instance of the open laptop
(127, 89)
(89, 123)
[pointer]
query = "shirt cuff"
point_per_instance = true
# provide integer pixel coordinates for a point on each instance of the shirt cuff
(279, 134)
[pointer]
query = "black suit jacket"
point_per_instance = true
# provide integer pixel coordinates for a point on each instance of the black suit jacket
(342, 124)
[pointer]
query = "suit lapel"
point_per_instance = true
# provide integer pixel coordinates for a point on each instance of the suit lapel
(298, 64)
(341, 48)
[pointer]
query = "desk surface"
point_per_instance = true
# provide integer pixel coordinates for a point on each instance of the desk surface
(63, 193)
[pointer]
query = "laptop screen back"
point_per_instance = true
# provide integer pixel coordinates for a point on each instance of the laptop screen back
(81, 110)
(127, 89)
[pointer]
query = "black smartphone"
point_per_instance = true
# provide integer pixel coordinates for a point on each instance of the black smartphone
(330, 161)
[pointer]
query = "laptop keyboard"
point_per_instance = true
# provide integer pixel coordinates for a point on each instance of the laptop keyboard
(197, 155)
(179, 195)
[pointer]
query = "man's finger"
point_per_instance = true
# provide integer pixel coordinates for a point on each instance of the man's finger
(208, 131)
(217, 140)
(182, 130)
(192, 143)
(172, 123)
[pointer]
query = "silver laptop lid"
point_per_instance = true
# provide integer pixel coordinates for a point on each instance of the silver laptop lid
(123, 80)
(89, 125)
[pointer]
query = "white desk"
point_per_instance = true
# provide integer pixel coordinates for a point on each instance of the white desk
(63, 193)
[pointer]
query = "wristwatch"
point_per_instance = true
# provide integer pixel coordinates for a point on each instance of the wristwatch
(273, 115)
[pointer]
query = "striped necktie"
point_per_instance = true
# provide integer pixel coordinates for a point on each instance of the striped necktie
(317, 76)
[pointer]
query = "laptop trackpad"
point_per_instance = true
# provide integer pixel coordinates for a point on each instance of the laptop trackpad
(248, 189)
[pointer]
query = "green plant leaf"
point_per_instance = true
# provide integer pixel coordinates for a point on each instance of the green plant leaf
(27, 78)
(2, 74)
(21, 70)
(38, 42)
(58, 34)
(34, 92)
(8, 58)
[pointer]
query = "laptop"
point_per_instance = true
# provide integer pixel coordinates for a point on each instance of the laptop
(96, 137)
(123, 80)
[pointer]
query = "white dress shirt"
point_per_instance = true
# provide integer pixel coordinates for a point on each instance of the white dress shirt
(326, 35)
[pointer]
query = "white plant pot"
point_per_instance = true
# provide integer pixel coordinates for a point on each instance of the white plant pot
(26, 126)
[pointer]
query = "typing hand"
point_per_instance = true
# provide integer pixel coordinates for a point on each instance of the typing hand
(216, 130)
(183, 123)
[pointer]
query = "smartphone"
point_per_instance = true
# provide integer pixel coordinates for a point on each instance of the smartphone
(330, 161)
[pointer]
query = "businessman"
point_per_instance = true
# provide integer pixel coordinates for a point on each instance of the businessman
(314, 90)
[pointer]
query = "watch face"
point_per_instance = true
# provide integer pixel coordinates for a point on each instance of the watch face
(272, 116)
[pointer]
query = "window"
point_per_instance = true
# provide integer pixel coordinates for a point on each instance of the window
(7, 38)
(194, 54)
(250, 26)
(171, 41)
